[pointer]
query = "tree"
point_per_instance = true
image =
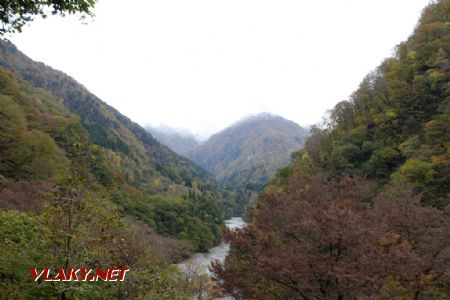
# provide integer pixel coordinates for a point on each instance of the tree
(22, 245)
(12, 128)
(14, 14)
(334, 239)
(37, 156)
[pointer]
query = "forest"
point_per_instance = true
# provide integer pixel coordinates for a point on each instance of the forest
(363, 211)
(82, 185)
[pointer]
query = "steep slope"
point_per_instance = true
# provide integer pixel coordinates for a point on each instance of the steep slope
(58, 207)
(143, 157)
(252, 148)
(366, 206)
(177, 140)
(46, 118)
(396, 126)
(246, 155)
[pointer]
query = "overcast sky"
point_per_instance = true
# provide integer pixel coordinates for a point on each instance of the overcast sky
(203, 64)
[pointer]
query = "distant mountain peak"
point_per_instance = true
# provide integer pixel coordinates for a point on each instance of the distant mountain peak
(257, 117)
(247, 153)
(263, 116)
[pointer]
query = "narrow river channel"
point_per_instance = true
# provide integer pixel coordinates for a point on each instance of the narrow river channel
(219, 252)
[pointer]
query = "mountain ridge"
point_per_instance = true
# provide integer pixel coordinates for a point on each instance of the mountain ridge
(363, 211)
(245, 155)
(49, 123)
(94, 111)
(243, 132)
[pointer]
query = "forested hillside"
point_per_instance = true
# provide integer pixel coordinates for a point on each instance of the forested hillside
(246, 155)
(363, 213)
(143, 155)
(396, 126)
(82, 185)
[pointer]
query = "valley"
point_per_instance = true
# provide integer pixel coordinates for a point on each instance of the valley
(356, 206)
(204, 260)
(67, 154)
(244, 156)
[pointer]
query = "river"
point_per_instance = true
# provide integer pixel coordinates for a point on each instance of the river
(219, 252)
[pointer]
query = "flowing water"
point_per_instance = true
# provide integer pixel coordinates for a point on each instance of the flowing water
(219, 252)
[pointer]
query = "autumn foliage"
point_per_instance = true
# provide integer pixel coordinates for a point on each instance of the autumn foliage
(363, 211)
(334, 239)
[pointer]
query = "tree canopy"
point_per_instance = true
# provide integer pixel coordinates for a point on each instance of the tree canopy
(363, 211)
(14, 14)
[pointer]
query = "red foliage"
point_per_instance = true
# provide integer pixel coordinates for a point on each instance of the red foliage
(24, 195)
(328, 239)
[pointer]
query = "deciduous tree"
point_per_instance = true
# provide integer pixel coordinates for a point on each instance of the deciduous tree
(14, 14)
(334, 239)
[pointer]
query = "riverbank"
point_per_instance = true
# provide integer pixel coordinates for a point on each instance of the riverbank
(216, 253)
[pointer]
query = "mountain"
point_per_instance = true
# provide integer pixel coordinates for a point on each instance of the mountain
(106, 127)
(246, 155)
(254, 147)
(44, 114)
(182, 142)
(366, 204)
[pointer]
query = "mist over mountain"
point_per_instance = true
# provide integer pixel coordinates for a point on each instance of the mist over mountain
(246, 155)
(179, 140)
